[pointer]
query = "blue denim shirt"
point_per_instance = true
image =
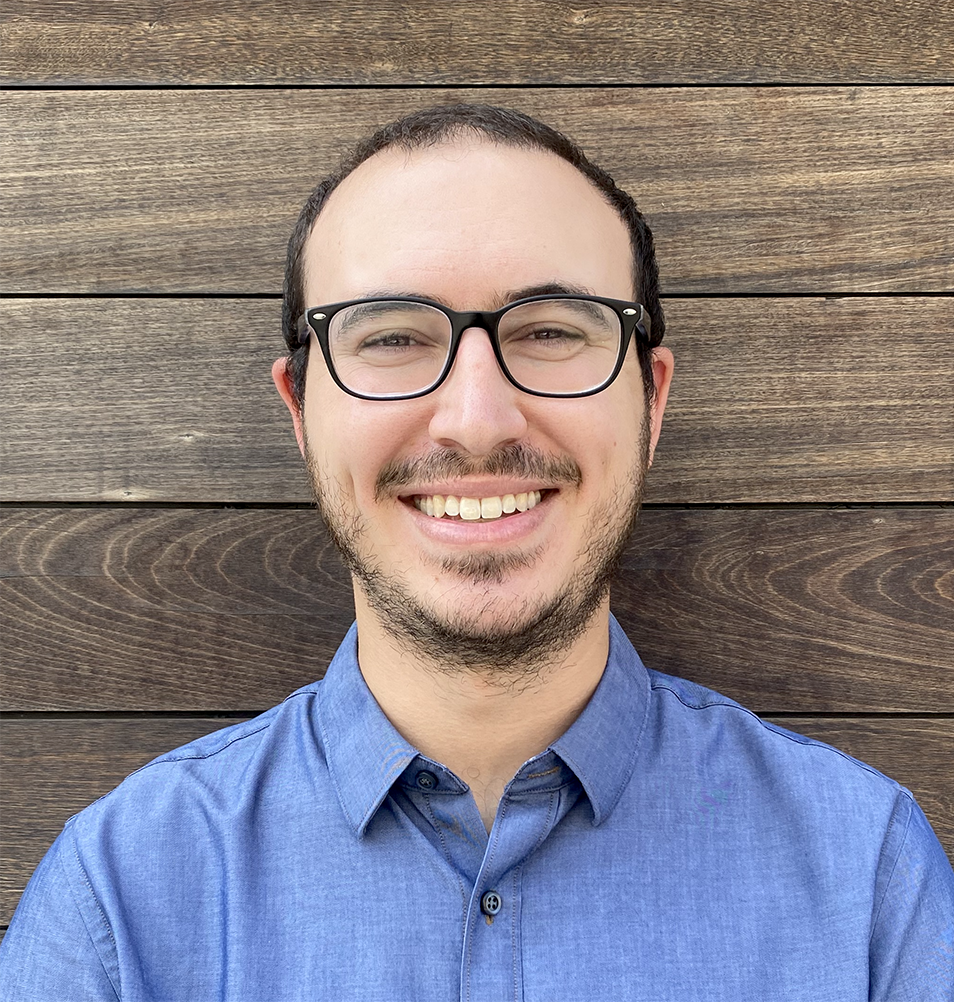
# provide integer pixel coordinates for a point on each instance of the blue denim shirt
(670, 846)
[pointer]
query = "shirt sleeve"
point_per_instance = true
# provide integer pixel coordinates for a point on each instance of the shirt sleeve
(912, 940)
(58, 937)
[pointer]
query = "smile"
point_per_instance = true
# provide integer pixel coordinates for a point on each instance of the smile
(475, 509)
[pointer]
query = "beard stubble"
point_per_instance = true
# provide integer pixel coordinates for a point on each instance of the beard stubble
(532, 634)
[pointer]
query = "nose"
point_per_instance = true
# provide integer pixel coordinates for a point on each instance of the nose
(477, 409)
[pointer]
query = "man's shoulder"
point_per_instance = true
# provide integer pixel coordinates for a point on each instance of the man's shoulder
(222, 765)
(722, 728)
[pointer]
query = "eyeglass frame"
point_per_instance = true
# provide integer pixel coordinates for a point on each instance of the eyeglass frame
(633, 317)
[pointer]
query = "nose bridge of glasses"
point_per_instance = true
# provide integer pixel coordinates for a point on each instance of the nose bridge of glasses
(475, 320)
(481, 319)
(484, 320)
(475, 377)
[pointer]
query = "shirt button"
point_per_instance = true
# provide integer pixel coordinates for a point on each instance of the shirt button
(490, 903)
(426, 780)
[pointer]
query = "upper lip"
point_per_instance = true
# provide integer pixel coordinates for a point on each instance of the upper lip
(486, 489)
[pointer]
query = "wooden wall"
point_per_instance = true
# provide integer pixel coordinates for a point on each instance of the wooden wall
(162, 571)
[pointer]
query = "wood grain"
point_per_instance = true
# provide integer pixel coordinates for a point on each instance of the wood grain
(846, 610)
(53, 768)
(516, 42)
(754, 190)
(808, 400)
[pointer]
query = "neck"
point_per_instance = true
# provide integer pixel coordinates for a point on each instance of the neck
(481, 725)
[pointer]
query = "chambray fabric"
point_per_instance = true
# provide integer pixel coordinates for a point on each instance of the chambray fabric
(670, 846)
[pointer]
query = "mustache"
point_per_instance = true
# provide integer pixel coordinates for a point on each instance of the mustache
(520, 461)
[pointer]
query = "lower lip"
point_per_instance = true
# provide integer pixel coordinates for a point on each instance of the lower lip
(505, 529)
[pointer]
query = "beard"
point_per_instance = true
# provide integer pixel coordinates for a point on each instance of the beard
(508, 648)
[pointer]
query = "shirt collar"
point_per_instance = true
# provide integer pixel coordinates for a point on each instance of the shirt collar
(602, 743)
(366, 755)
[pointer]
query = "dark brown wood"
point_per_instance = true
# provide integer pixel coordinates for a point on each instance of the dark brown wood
(53, 768)
(145, 400)
(516, 41)
(786, 610)
(159, 610)
(773, 401)
(799, 610)
(756, 189)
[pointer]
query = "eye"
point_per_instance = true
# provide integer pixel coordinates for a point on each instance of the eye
(390, 339)
(551, 332)
(546, 337)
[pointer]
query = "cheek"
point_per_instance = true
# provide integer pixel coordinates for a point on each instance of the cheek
(606, 432)
(351, 439)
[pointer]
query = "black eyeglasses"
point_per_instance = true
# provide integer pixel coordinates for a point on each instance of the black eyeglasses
(402, 347)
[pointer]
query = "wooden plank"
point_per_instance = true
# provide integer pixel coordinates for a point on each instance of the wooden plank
(834, 610)
(503, 41)
(843, 610)
(807, 400)
(53, 768)
(755, 189)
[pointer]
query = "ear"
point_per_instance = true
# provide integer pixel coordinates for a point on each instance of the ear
(283, 384)
(663, 365)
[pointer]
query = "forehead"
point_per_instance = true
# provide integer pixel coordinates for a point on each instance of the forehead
(464, 222)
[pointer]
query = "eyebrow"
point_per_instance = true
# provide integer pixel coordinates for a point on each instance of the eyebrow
(544, 289)
(547, 289)
(361, 311)
(592, 311)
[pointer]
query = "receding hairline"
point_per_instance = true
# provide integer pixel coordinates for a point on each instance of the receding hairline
(465, 137)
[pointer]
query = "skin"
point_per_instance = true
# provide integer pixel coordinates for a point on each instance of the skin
(474, 225)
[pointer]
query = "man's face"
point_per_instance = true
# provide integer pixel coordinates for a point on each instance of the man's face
(475, 226)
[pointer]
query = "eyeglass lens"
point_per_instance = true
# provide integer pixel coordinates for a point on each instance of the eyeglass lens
(551, 346)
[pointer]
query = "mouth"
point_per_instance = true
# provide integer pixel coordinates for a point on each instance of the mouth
(471, 509)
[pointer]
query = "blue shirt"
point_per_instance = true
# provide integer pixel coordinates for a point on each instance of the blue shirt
(669, 846)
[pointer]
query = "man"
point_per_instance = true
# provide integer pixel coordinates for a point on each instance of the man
(488, 796)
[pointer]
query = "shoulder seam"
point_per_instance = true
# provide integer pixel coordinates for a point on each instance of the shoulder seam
(801, 739)
(168, 759)
(168, 756)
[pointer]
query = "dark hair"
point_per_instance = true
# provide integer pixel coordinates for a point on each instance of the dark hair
(430, 127)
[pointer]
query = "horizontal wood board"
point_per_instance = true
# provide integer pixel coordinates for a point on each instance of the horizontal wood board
(774, 400)
(515, 42)
(54, 768)
(786, 610)
(749, 190)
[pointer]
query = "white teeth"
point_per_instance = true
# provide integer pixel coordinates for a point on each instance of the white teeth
(490, 508)
(473, 509)
(470, 509)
